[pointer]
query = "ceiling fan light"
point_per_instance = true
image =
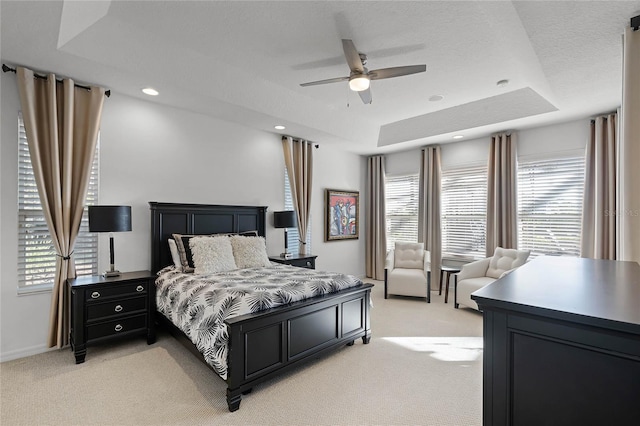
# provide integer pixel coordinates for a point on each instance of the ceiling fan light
(358, 83)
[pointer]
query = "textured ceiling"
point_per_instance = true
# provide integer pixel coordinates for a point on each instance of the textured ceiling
(244, 61)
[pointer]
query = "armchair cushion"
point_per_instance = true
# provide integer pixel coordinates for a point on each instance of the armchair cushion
(504, 260)
(409, 255)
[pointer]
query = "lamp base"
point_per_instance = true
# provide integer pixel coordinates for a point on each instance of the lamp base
(286, 255)
(108, 274)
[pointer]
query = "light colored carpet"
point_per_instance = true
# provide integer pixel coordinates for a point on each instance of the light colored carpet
(423, 366)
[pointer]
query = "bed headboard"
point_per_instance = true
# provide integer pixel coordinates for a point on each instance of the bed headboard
(196, 219)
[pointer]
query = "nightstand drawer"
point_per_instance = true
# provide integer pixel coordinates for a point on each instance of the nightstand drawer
(304, 263)
(117, 326)
(299, 261)
(106, 291)
(116, 307)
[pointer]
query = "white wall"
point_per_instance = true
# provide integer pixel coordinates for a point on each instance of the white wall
(543, 142)
(148, 153)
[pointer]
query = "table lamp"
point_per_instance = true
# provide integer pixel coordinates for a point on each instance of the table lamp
(285, 219)
(110, 219)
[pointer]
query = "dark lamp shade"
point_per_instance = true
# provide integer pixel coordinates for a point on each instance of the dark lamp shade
(285, 219)
(109, 218)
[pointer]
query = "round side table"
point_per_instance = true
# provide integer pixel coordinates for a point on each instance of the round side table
(448, 270)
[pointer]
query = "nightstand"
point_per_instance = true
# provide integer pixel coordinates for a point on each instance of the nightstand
(104, 309)
(302, 261)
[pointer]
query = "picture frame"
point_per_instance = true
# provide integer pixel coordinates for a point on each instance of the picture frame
(342, 215)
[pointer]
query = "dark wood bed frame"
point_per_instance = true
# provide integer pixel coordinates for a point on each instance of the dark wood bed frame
(264, 344)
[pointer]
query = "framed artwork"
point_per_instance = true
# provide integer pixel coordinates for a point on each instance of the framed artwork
(342, 215)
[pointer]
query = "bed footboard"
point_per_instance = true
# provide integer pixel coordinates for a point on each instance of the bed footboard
(271, 342)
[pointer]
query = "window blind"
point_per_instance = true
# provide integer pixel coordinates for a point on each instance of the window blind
(550, 194)
(401, 198)
(36, 252)
(464, 211)
(293, 236)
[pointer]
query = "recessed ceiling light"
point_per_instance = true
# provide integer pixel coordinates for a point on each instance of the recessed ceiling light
(436, 98)
(150, 91)
(279, 127)
(458, 136)
(502, 83)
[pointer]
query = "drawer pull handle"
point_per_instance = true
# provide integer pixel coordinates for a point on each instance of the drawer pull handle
(118, 328)
(118, 308)
(140, 288)
(308, 263)
(95, 295)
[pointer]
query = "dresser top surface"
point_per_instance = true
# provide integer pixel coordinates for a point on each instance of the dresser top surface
(595, 292)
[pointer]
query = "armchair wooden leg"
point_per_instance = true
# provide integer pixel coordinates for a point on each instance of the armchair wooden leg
(428, 286)
(385, 283)
(455, 291)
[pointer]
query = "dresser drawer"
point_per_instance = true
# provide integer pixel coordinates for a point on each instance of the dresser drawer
(116, 307)
(117, 326)
(106, 291)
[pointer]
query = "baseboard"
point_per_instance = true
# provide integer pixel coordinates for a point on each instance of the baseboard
(24, 352)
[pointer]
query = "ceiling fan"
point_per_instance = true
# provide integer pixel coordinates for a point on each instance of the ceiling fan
(360, 77)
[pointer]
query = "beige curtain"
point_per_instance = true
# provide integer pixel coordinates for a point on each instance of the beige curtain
(62, 123)
(629, 206)
(429, 231)
(599, 205)
(376, 220)
(502, 207)
(298, 157)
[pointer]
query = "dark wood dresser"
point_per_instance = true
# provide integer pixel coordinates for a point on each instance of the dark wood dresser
(300, 260)
(562, 344)
(103, 309)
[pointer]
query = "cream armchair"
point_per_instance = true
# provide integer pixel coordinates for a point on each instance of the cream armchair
(475, 275)
(408, 271)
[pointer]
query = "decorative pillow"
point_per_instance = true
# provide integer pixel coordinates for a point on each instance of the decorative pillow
(409, 255)
(212, 254)
(184, 250)
(175, 256)
(249, 252)
(504, 260)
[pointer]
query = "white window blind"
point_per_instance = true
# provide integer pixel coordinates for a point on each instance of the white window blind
(36, 253)
(401, 198)
(293, 237)
(550, 194)
(464, 212)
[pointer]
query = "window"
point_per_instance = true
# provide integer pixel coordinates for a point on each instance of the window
(401, 198)
(550, 196)
(464, 212)
(36, 253)
(293, 237)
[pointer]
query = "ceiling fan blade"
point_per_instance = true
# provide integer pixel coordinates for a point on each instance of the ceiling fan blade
(330, 80)
(396, 71)
(365, 95)
(352, 55)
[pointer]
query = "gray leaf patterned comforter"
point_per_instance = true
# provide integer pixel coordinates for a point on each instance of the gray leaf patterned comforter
(199, 304)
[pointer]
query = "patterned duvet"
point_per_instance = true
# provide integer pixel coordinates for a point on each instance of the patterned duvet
(199, 304)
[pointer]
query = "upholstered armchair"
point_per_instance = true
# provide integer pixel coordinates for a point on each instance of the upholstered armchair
(475, 275)
(408, 271)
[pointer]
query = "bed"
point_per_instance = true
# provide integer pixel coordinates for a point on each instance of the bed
(263, 344)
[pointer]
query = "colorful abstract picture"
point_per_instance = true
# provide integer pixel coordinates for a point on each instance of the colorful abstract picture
(342, 215)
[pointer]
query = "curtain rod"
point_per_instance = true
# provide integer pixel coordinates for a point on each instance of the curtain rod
(635, 23)
(6, 68)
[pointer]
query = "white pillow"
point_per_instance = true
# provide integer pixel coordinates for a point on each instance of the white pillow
(212, 254)
(250, 252)
(175, 256)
